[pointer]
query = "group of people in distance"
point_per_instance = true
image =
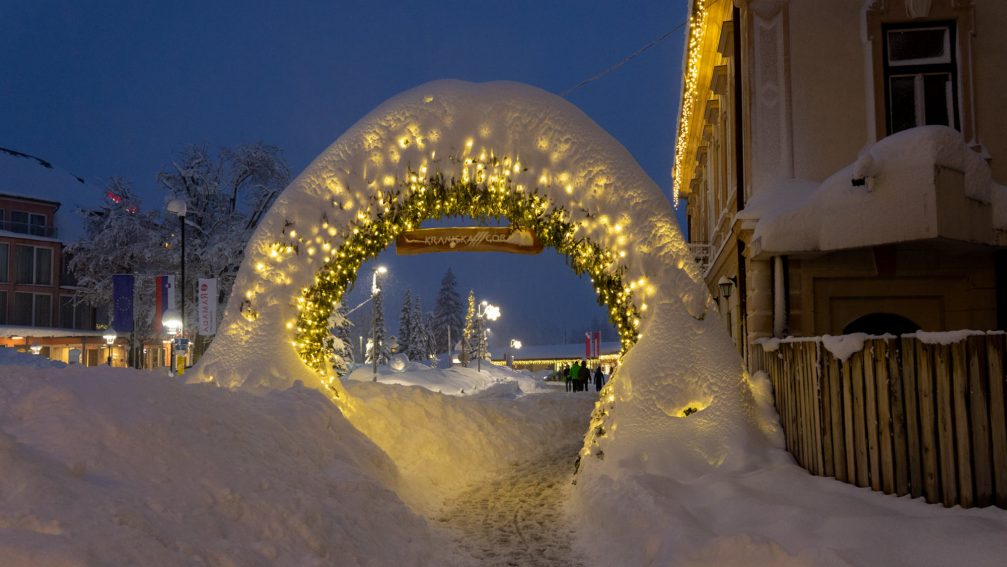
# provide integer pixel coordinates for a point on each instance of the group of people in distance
(578, 377)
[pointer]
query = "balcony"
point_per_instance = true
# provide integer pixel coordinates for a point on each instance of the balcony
(32, 229)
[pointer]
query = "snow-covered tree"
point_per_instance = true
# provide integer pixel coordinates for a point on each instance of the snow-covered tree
(225, 196)
(417, 349)
(381, 346)
(469, 332)
(447, 312)
(120, 239)
(430, 341)
(406, 325)
(339, 342)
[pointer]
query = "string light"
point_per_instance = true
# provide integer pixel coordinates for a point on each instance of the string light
(418, 198)
(697, 25)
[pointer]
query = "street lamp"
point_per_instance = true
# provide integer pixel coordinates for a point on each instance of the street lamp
(489, 311)
(514, 345)
(178, 207)
(109, 337)
(172, 323)
(375, 290)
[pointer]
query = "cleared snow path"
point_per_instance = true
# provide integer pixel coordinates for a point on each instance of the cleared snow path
(517, 518)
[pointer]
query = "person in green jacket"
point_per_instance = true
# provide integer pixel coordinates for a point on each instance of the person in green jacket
(574, 376)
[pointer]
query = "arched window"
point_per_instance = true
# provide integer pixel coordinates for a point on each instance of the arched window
(881, 323)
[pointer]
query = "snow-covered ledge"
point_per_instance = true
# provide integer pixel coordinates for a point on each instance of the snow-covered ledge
(926, 177)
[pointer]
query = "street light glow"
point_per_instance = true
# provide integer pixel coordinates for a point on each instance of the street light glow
(491, 311)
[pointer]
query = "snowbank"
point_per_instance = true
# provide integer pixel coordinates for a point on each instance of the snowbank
(899, 176)
(119, 467)
(11, 357)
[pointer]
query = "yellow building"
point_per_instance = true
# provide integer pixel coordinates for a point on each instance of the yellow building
(839, 159)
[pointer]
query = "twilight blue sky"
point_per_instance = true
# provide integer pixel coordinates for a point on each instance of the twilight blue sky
(118, 88)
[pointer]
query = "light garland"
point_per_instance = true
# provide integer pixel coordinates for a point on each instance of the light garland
(697, 25)
(484, 192)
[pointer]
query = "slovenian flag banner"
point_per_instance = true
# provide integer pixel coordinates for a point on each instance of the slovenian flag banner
(164, 298)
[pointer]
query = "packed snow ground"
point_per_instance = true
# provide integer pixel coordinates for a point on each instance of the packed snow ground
(114, 466)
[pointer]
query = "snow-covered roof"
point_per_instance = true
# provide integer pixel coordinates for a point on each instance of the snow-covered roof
(7, 331)
(902, 176)
(25, 175)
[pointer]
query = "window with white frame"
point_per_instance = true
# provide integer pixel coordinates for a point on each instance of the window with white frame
(921, 75)
(4, 262)
(28, 223)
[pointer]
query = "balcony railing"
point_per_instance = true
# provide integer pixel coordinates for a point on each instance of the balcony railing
(28, 228)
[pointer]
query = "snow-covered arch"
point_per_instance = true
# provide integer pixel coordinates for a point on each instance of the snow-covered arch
(681, 380)
(491, 142)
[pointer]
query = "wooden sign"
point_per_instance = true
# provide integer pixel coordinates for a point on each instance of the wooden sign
(468, 239)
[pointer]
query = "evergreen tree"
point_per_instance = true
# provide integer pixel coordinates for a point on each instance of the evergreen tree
(469, 333)
(417, 349)
(380, 346)
(447, 313)
(407, 329)
(430, 341)
(339, 343)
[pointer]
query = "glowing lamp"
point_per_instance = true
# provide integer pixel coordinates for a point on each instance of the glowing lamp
(172, 321)
(109, 337)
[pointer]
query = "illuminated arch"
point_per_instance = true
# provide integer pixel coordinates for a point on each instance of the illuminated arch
(449, 148)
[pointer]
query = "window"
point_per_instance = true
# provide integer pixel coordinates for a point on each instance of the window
(32, 309)
(3, 307)
(921, 76)
(4, 261)
(28, 223)
(74, 314)
(33, 265)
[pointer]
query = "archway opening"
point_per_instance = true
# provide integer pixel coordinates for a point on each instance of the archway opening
(880, 324)
(487, 193)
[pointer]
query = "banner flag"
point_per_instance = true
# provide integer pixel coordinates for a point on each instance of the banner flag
(164, 298)
(207, 306)
(122, 303)
(597, 344)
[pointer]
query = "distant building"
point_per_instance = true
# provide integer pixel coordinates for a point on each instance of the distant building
(38, 308)
(551, 357)
(838, 160)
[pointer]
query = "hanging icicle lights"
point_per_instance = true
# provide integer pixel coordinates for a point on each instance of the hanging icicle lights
(485, 190)
(697, 27)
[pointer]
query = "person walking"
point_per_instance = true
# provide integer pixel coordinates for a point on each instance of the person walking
(575, 376)
(599, 379)
(566, 377)
(583, 375)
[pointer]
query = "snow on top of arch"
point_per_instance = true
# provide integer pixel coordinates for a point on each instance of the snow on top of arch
(547, 143)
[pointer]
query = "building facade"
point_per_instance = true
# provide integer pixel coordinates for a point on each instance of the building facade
(840, 159)
(39, 311)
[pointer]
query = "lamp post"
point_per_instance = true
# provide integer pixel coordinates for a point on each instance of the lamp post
(375, 290)
(178, 207)
(514, 345)
(485, 311)
(109, 337)
(172, 323)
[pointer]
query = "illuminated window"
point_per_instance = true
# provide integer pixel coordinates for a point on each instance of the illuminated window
(921, 76)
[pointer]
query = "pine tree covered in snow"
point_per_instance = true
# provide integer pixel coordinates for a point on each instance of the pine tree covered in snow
(447, 312)
(417, 347)
(430, 340)
(380, 346)
(407, 328)
(469, 332)
(338, 341)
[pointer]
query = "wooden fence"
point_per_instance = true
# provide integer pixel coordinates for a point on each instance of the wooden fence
(901, 416)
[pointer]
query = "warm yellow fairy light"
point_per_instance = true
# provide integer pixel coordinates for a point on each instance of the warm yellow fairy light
(697, 23)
